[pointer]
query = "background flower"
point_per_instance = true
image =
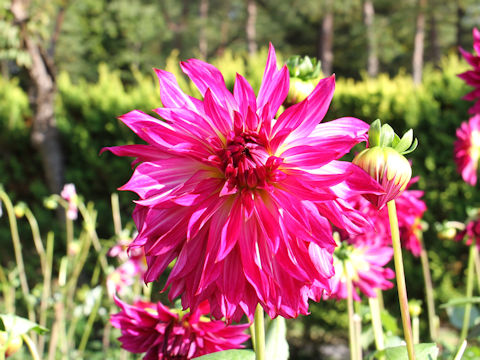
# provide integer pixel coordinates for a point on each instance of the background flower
(242, 201)
(165, 333)
(467, 149)
(472, 77)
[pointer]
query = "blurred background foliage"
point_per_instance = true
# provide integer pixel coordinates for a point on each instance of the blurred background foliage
(103, 52)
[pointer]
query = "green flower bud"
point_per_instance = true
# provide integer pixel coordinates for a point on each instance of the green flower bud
(415, 307)
(384, 161)
(304, 76)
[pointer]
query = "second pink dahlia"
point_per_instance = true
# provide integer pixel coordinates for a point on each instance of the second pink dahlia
(467, 149)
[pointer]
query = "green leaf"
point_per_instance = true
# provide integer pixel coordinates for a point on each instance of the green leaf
(405, 142)
(386, 135)
(412, 148)
(229, 355)
(276, 340)
(17, 325)
(461, 301)
(455, 315)
(425, 351)
(374, 133)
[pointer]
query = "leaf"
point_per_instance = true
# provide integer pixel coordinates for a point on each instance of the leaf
(455, 316)
(17, 325)
(461, 301)
(229, 355)
(276, 340)
(425, 351)
(405, 142)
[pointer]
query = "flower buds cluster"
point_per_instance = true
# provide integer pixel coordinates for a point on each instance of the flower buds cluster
(304, 76)
(383, 159)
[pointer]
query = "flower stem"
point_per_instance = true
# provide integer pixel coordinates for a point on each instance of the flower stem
(259, 324)
(376, 323)
(432, 317)
(31, 346)
(351, 324)
(400, 275)
(469, 292)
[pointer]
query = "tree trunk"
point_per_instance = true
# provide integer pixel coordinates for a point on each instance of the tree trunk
(202, 36)
(417, 61)
(251, 27)
(435, 53)
(369, 16)
(327, 39)
(44, 135)
(460, 15)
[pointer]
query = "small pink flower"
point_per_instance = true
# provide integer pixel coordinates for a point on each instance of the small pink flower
(467, 149)
(410, 210)
(471, 233)
(472, 77)
(364, 264)
(70, 195)
(243, 201)
(165, 333)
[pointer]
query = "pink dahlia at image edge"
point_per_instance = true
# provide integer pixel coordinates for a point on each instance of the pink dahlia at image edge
(244, 202)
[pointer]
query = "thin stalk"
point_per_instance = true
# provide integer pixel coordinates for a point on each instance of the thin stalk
(17, 247)
(477, 267)
(90, 226)
(90, 322)
(376, 323)
(31, 347)
(461, 350)
(400, 275)
(69, 233)
(46, 290)
(469, 292)
(252, 335)
(8, 293)
(432, 317)
(259, 323)
(351, 325)
(357, 322)
(117, 220)
(37, 239)
(416, 329)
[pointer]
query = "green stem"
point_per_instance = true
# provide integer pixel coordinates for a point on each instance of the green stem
(376, 323)
(37, 239)
(17, 247)
(89, 326)
(432, 317)
(117, 220)
(357, 322)
(259, 323)
(31, 347)
(461, 350)
(477, 267)
(469, 292)
(400, 275)
(69, 231)
(351, 325)
(416, 329)
(46, 291)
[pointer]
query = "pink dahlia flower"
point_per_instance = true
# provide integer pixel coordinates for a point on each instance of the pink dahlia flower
(410, 210)
(472, 77)
(241, 200)
(70, 195)
(363, 264)
(165, 333)
(467, 149)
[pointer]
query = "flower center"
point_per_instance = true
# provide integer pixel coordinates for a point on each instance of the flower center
(246, 163)
(475, 145)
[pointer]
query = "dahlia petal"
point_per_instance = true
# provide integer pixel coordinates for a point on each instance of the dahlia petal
(318, 102)
(170, 93)
(244, 95)
(206, 76)
(275, 85)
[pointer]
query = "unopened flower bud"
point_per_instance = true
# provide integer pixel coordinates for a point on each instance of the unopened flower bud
(304, 76)
(415, 307)
(14, 343)
(20, 209)
(384, 161)
(50, 203)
